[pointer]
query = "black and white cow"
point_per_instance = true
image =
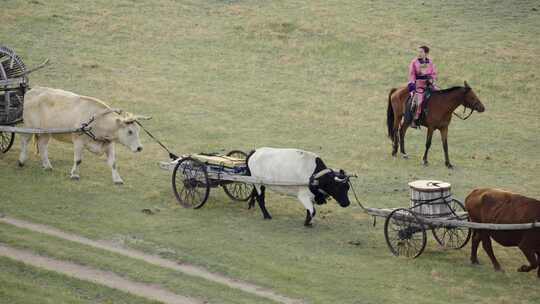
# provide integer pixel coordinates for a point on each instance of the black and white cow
(303, 174)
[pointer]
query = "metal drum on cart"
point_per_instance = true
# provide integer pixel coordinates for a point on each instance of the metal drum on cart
(430, 202)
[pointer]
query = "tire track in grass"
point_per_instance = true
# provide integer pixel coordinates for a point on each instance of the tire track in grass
(155, 260)
(109, 279)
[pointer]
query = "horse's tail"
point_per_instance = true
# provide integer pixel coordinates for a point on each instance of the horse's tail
(390, 116)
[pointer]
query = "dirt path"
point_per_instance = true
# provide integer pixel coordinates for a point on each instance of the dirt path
(108, 279)
(155, 260)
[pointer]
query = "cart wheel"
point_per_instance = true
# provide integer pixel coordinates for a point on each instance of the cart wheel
(190, 183)
(12, 64)
(6, 141)
(404, 233)
(238, 191)
(453, 237)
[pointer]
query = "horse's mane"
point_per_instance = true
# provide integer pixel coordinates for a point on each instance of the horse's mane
(449, 90)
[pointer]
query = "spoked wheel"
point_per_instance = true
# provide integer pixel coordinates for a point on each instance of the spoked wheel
(404, 233)
(238, 191)
(454, 237)
(190, 183)
(6, 141)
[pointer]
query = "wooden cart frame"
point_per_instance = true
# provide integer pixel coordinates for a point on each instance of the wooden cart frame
(13, 85)
(193, 179)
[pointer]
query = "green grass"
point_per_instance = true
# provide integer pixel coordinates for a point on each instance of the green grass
(22, 284)
(223, 75)
(131, 269)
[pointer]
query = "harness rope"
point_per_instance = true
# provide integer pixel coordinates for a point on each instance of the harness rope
(171, 155)
(356, 197)
(87, 130)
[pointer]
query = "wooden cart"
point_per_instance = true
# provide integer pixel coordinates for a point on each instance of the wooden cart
(432, 208)
(13, 85)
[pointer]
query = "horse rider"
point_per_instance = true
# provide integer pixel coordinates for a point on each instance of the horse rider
(422, 73)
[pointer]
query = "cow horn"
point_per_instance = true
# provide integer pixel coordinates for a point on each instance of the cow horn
(340, 180)
(142, 117)
(131, 118)
(322, 172)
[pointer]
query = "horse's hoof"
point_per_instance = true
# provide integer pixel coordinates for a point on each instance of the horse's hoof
(405, 155)
(309, 225)
(119, 182)
(20, 164)
(449, 166)
(267, 217)
(75, 177)
(48, 168)
(425, 163)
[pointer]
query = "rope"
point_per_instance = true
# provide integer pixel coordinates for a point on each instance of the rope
(86, 129)
(356, 197)
(171, 155)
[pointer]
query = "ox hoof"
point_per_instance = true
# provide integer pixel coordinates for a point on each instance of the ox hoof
(75, 177)
(525, 268)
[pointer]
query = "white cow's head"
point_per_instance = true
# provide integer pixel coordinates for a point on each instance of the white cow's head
(128, 132)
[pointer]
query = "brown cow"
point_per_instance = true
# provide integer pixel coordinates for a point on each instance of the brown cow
(502, 207)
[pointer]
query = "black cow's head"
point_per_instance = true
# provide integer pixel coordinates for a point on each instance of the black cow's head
(336, 184)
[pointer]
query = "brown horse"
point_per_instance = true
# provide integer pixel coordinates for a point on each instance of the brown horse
(440, 107)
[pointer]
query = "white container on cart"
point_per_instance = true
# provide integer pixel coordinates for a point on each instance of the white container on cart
(430, 197)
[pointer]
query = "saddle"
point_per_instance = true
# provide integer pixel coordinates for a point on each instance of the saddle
(412, 104)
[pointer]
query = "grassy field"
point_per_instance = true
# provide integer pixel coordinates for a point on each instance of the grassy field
(21, 284)
(223, 75)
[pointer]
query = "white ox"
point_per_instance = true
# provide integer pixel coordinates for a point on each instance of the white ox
(48, 108)
(302, 174)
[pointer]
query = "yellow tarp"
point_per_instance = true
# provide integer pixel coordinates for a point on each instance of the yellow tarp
(218, 160)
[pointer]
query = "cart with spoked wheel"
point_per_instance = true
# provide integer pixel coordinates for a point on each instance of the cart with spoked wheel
(194, 175)
(13, 85)
(432, 209)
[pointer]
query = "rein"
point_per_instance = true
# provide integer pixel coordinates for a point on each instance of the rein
(464, 110)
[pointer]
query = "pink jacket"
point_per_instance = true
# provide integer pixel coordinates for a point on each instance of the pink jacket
(422, 70)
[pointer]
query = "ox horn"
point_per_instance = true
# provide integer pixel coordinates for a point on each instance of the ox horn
(142, 117)
(340, 180)
(340, 173)
(131, 118)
